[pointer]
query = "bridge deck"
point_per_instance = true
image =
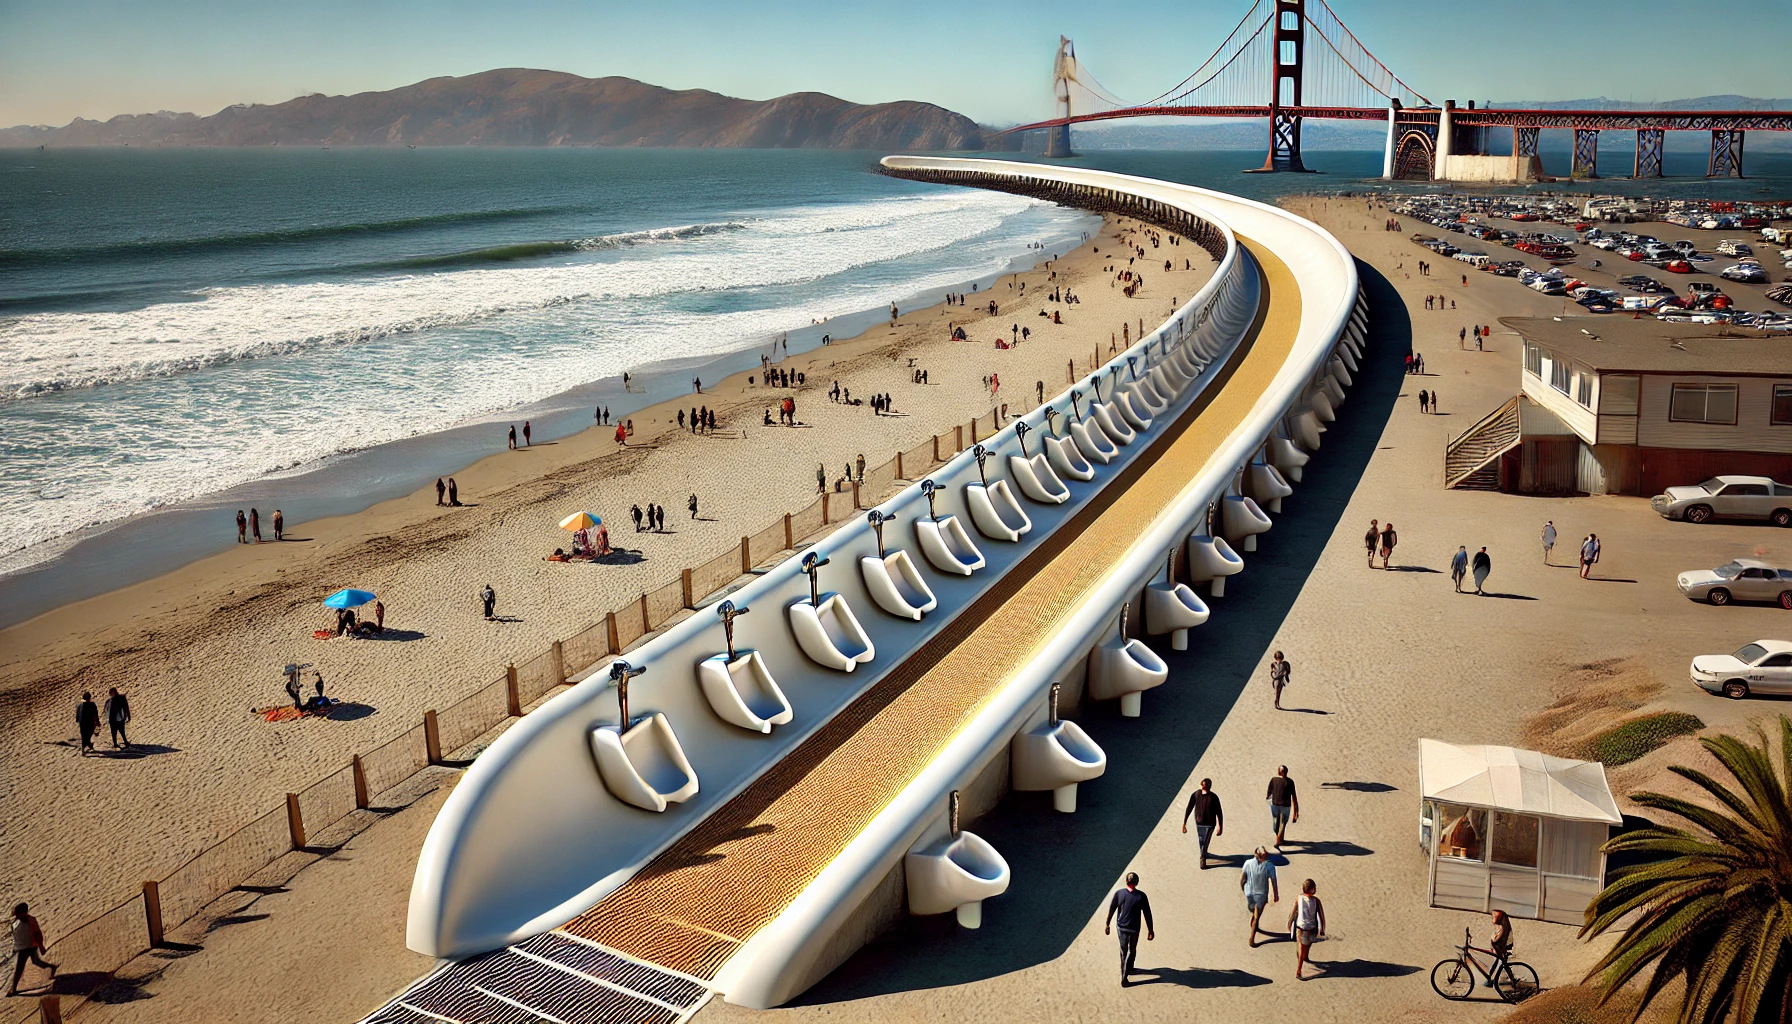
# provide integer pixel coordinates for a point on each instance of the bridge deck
(696, 904)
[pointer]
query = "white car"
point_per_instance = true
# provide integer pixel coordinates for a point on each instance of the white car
(1731, 247)
(1549, 285)
(1764, 666)
(1740, 579)
(1747, 273)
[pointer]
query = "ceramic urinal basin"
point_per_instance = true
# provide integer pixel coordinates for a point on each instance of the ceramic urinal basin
(644, 766)
(1333, 390)
(1125, 668)
(996, 512)
(896, 585)
(1055, 757)
(954, 873)
(830, 634)
(1094, 444)
(1212, 559)
(1133, 409)
(947, 546)
(1174, 609)
(1153, 399)
(1306, 429)
(1066, 460)
(1112, 423)
(1267, 486)
(1174, 375)
(1321, 405)
(1037, 480)
(1241, 519)
(1160, 379)
(742, 692)
(1287, 458)
(1339, 371)
(1348, 357)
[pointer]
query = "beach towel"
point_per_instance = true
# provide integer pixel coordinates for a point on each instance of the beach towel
(322, 634)
(282, 713)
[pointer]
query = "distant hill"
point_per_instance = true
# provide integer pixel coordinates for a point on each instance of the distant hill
(522, 107)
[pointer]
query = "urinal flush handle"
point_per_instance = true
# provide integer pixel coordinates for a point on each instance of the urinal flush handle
(728, 612)
(620, 673)
(927, 489)
(812, 564)
(877, 519)
(1074, 407)
(1051, 705)
(1020, 434)
(1051, 419)
(952, 813)
(981, 454)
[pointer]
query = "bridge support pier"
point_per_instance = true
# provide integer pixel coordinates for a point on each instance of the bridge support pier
(1387, 156)
(1648, 153)
(1726, 154)
(1586, 153)
(1057, 141)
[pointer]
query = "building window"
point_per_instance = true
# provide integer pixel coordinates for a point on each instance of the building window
(1533, 359)
(1583, 388)
(1782, 404)
(1559, 374)
(1703, 403)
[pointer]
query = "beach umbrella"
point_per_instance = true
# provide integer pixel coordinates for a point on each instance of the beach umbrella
(580, 521)
(348, 599)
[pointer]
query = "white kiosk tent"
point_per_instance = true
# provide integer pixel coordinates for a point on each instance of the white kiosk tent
(1513, 830)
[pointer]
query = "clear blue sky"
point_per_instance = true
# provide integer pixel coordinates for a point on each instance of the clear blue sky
(60, 59)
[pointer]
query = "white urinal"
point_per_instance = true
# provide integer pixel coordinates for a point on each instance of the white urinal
(1333, 390)
(1348, 358)
(1095, 445)
(1241, 520)
(1055, 757)
(896, 585)
(1154, 400)
(742, 692)
(644, 766)
(1212, 559)
(1267, 486)
(1307, 430)
(954, 873)
(1066, 460)
(947, 546)
(1321, 405)
(830, 634)
(1133, 409)
(1287, 458)
(996, 512)
(1037, 480)
(1112, 423)
(1174, 609)
(1165, 387)
(1125, 669)
(1339, 371)
(1174, 375)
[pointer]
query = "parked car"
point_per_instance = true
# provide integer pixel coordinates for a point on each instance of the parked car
(1741, 579)
(1685, 247)
(1781, 294)
(1677, 267)
(1728, 497)
(1732, 247)
(1764, 666)
(1548, 285)
(1594, 304)
(1747, 273)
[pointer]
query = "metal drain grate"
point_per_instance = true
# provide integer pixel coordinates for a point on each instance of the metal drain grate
(552, 978)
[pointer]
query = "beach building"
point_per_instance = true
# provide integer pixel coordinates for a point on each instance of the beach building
(1623, 406)
(1513, 830)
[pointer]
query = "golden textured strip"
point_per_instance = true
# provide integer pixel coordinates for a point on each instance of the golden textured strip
(693, 906)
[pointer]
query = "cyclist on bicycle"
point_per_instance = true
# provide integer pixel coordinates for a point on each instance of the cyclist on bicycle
(1502, 935)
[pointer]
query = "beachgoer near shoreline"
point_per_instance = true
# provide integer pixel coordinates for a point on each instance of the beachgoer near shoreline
(453, 493)
(526, 433)
(621, 435)
(279, 525)
(1279, 672)
(1482, 567)
(635, 511)
(692, 505)
(441, 489)
(489, 599)
(293, 690)
(27, 946)
(513, 437)
(1459, 566)
(379, 616)
(242, 527)
(1388, 539)
(255, 524)
(87, 720)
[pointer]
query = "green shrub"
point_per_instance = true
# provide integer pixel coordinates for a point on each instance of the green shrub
(1630, 740)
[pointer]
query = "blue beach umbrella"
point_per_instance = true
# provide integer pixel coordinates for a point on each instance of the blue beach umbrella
(348, 599)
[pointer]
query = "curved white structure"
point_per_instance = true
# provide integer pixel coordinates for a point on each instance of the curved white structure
(1267, 486)
(947, 546)
(1242, 520)
(1036, 479)
(955, 873)
(1095, 445)
(1211, 560)
(1132, 409)
(741, 691)
(1055, 756)
(644, 766)
(1125, 669)
(1112, 423)
(1174, 609)
(1287, 458)
(1067, 460)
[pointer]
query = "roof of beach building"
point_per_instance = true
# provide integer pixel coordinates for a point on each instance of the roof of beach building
(1511, 779)
(1612, 344)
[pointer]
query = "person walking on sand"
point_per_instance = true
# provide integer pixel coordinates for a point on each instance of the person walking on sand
(27, 946)
(1424, 401)
(1258, 883)
(453, 493)
(279, 525)
(1388, 539)
(1279, 671)
(513, 437)
(242, 527)
(118, 715)
(294, 690)
(1589, 553)
(1307, 921)
(1210, 818)
(1459, 566)
(622, 435)
(821, 477)
(87, 720)
(1549, 539)
(1370, 539)
(1482, 566)
(441, 489)
(1125, 910)
(379, 616)
(860, 463)
(635, 511)
(526, 433)
(692, 505)
(1284, 803)
(255, 524)
(489, 598)
(1434, 401)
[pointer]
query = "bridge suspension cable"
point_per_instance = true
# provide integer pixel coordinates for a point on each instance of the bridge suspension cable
(1368, 70)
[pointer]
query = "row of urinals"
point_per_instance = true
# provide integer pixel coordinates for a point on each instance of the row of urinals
(642, 762)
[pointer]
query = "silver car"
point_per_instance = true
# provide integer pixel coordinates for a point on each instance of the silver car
(1743, 579)
(1764, 666)
(1730, 497)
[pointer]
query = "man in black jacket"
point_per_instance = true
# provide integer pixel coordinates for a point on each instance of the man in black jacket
(1210, 819)
(1129, 904)
(118, 715)
(87, 719)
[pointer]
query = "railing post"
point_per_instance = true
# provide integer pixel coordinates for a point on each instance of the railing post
(973, 430)
(957, 438)
(363, 799)
(899, 473)
(687, 580)
(432, 737)
(746, 555)
(936, 449)
(295, 823)
(855, 495)
(824, 509)
(646, 624)
(557, 657)
(49, 1009)
(152, 913)
(789, 541)
(615, 637)
(513, 694)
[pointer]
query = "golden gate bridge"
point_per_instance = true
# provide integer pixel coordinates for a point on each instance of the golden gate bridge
(1316, 68)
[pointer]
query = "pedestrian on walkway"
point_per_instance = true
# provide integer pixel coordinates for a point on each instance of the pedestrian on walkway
(1307, 922)
(1482, 566)
(27, 946)
(1284, 803)
(692, 505)
(1370, 539)
(255, 524)
(821, 477)
(1589, 553)
(1279, 671)
(513, 437)
(489, 598)
(526, 433)
(1129, 905)
(1210, 818)
(1549, 539)
(1388, 539)
(87, 720)
(1459, 566)
(118, 715)
(1424, 401)
(1434, 401)
(1461, 337)
(453, 493)
(635, 512)
(1258, 883)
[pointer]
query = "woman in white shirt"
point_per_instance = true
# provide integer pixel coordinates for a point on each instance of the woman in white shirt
(1307, 921)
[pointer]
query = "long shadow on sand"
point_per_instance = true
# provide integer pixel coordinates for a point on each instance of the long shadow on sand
(1064, 865)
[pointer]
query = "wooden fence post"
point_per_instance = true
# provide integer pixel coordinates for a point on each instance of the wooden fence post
(899, 473)
(824, 509)
(513, 694)
(855, 495)
(687, 584)
(973, 430)
(432, 737)
(363, 799)
(49, 1009)
(957, 438)
(646, 624)
(746, 555)
(295, 823)
(1070, 373)
(557, 658)
(152, 913)
(615, 637)
(789, 541)
(936, 449)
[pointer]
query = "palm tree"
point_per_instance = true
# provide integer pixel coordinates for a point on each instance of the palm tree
(1713, 903)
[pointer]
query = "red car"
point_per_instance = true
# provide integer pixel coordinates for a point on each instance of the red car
(1677, 267)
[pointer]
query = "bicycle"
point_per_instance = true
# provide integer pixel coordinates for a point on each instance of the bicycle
(1513, 981)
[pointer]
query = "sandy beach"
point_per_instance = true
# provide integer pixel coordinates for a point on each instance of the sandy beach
(195, 649)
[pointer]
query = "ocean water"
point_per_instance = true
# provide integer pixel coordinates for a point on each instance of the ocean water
(174, 323)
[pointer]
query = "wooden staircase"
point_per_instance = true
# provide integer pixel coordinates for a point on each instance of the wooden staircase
(1471, 459)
